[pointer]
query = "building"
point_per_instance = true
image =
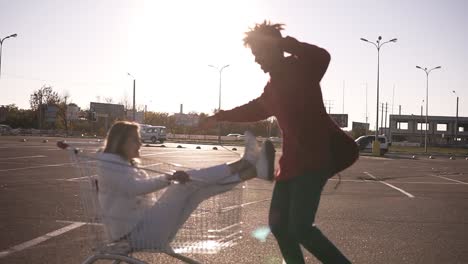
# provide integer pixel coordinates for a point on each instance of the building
(441, 130)
(189, 120)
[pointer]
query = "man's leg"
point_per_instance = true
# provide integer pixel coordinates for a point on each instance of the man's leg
(305, 197)
(279, 222)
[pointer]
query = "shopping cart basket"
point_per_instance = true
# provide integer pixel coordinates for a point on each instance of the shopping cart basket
(214, 225)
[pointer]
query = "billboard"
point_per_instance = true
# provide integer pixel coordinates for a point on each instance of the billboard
(51, 112)
(357, 126)
(113, 111)
(340, 119)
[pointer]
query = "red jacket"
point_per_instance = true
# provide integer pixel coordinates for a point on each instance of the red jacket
(293, 95)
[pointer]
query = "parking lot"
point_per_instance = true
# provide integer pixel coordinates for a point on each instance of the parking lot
(386, 210)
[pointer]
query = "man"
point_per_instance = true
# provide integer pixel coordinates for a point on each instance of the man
(314, 147)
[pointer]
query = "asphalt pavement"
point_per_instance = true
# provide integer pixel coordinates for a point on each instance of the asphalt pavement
(386, 209)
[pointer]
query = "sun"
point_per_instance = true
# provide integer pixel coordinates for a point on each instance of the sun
(172, 44)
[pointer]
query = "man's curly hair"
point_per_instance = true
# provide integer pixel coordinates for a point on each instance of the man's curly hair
(263, 29)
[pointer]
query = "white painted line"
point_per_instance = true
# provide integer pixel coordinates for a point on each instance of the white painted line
(37, 167)
(24, 157)
(254, 202)
(150, 165)
(391, 186)
(161, 153)
(435, 183)
(40, 239)
(398, 182)
(73, 222)
(77, 178)
(442, 177)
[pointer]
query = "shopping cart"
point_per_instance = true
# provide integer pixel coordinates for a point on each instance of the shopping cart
(213, 226)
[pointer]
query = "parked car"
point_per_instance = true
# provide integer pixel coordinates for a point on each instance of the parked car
(365, 143)
(236, 135)
(153, 133)
(275, 139)
(5, 130)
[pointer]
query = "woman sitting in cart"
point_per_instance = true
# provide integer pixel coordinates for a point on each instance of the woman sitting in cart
(129, 209)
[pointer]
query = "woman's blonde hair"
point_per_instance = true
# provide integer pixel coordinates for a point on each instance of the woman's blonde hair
(118, 135)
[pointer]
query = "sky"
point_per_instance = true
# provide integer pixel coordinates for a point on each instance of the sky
(85, 49)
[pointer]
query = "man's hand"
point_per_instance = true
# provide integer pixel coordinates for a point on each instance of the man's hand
(179, 176)
(208, 123)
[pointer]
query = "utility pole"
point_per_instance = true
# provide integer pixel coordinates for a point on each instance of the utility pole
(1, 45)
(366, 105)
(385, 116)
(427, 99)
(378, 44)
(422, 120)
(381, 119)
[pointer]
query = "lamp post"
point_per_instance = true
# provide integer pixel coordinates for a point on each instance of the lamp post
(378, 44)
(427, 100)
(456, 119)
(133, 95)
(422, 120)
(220, 70)
(1, 44)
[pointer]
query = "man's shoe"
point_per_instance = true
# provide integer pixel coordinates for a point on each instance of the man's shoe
(251, 152)
(266, 161)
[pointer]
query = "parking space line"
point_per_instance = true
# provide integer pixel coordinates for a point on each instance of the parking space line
(160, 153)
(442, 177)
(397, 182)
(77, 178)
(37, 167)
(24, 157)
(40, 239)
(389, 185)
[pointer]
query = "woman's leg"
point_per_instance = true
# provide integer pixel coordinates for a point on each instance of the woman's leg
(161, 222)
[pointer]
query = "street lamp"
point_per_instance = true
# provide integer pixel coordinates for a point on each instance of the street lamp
(427, 100)
(1, 44)
(422, 120)
(378, 44)
(133, 95)
(456, 118)
(220, 70)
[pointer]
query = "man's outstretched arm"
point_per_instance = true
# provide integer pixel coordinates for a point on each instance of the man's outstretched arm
(253, 111)
(318, 58)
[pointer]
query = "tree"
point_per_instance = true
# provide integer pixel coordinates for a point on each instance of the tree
(62, 118)
(109, 100)
(43, 96)
(18, 118)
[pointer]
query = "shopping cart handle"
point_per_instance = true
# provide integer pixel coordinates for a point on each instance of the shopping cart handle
(62, 145)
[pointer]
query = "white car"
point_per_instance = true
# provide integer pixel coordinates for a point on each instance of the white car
(153, 133)
(275, 139)
(365, 143)
(236, 135)
(5, 129)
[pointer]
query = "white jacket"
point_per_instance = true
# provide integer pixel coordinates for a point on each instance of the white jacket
(124, 193)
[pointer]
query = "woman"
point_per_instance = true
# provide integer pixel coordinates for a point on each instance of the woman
(129, 209)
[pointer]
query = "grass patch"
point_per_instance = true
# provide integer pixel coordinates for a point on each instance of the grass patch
(420, 150)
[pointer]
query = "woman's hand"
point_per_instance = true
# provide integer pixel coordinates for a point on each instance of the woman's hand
(179, 176)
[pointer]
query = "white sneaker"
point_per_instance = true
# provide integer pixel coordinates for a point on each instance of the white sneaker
(251, 151)
(266, 161)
